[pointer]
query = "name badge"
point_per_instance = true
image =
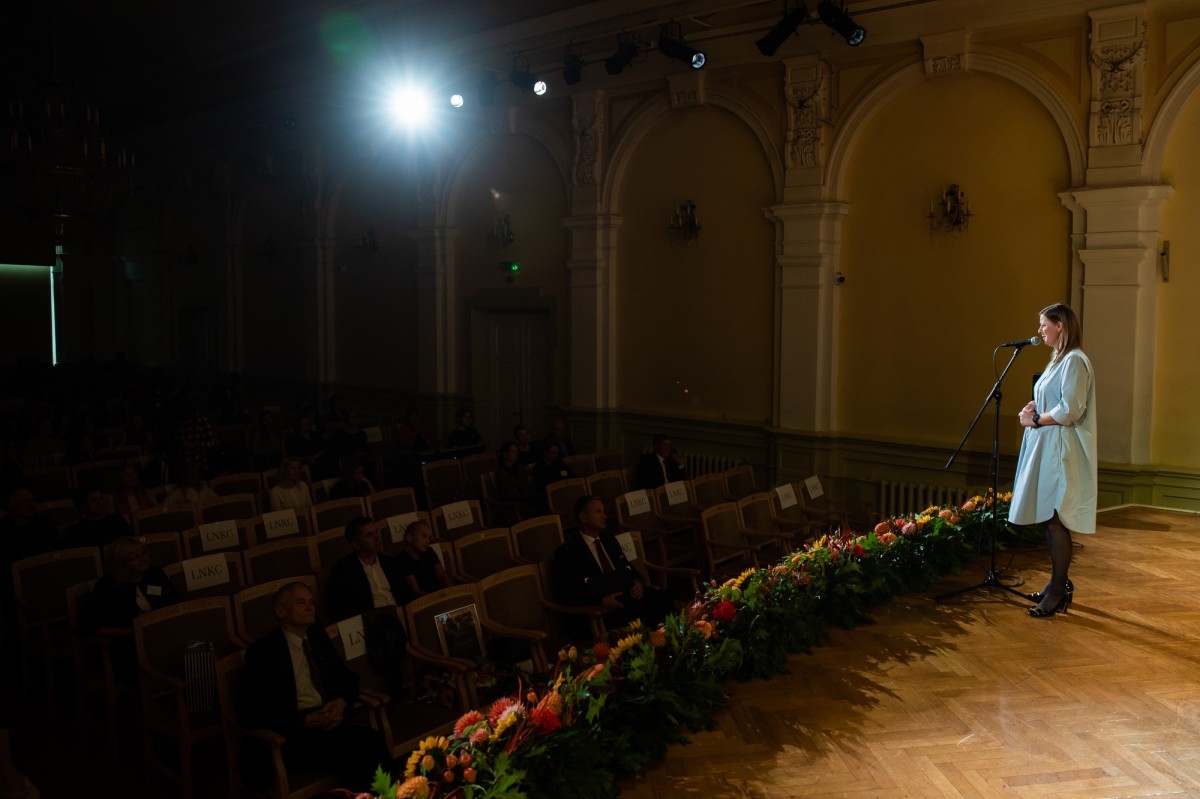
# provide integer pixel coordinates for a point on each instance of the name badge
(280, 523)
(218, 535)
(205, 571)
(786, 494)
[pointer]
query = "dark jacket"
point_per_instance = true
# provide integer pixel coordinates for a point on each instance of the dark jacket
(114, 604)
(649, 472)
(349, 591)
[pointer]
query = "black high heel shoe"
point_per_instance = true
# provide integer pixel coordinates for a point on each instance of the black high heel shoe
(1039, 612)
(1037, 596)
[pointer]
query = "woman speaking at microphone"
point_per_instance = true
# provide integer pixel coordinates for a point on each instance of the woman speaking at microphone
(1055, 481)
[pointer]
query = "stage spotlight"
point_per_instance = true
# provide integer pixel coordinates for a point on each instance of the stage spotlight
(572, 68)
(784, 28)
(523, 79)
(456, 100)
(409, 106)
(680, 51)
(836, 17)
(487, 89)
(626, 52)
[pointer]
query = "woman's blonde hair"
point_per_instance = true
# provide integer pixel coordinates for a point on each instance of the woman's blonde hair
(118, 554)
(1072, 333)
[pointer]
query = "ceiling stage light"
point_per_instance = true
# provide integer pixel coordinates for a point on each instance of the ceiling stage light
(784, 28)
(456, 100)
(522, 78)
(835, 16)
(572, 68)
(626, 52)
(680, 51)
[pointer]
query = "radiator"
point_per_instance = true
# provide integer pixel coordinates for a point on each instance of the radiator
(699, 463)
(896, 499)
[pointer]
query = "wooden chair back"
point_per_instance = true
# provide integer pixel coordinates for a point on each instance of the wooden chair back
(392, 502)
(511, 601)
(483, 553)
(335, 514)
(608, 459)
(234, 507)
(561, 497)
(607, 485)
(534, 540)
(581, 465)
(172, 519)
(443, 480)
(164, 548)
(709, 490)
(194, 541)
(278, 560)
(256, 530)
(739, 481)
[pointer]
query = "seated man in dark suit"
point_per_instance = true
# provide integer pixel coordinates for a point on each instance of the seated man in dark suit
(663, 465)
(295, 684)
(591, 569)
(371, 584)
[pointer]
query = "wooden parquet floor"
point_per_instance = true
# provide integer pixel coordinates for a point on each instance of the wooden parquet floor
(972, 698)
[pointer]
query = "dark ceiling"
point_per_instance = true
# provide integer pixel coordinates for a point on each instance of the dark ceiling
(143, 62)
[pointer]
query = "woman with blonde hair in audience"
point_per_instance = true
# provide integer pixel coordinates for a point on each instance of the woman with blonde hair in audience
(290, 491)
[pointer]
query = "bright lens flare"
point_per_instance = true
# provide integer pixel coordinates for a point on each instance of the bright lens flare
(409, 106)
(456, 100)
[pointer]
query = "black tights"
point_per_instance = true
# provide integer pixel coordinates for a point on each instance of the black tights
(1058, 537)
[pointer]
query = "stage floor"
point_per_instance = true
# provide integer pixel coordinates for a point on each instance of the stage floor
(973, 698)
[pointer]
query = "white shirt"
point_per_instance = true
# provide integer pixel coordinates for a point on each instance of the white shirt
(307, 695)
(381, 592)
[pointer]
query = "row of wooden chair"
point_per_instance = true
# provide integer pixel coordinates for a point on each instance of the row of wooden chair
(515, 603)
(454, 479)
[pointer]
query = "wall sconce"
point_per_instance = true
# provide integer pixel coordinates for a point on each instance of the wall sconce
(683, 222)
(952, 212)
(366, 242)
(501, 232)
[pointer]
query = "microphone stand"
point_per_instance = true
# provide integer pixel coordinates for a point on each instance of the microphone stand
(993, 578)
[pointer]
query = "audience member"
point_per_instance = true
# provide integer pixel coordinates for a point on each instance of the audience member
(591, 569)
(23, 531)
(527, 454)
(513, 481)
(290, 490)
(369, 583)
(349, 440)
(193, 489)
(99, 527)
(663, 465)
(294, 683)
(354, 482)
(303, 442)
(420, 564)
(464, 433)
(131, 586)
(131, 496)
(194, 439)
(558, 435)
(266, 440)
(415, 434)
(550, 468)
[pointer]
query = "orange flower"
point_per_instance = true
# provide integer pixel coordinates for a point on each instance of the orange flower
(881, 528)
(658, 638)
(945, 513)
(469, 774)
(969, 505)
(413, 788)
(705, 628)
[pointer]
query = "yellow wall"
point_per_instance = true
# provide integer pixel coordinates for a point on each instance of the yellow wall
(1176, 433)
(694, 321)
(921, 311)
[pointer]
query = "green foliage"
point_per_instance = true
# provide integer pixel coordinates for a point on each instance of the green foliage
(606, 714)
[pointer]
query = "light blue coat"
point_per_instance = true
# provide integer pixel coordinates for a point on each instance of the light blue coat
(1056, 470)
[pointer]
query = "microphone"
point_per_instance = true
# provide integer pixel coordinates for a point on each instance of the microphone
(1032, 341)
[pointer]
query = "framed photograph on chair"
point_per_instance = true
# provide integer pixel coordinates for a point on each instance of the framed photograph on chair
(460, 633)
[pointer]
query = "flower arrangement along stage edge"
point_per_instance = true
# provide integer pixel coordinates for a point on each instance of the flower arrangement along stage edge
(608, 712)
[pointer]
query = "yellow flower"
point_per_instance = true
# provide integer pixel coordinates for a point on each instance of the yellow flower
(624, 645)
(506, 721)
(421, 755)
(705, 628)
(553, 702)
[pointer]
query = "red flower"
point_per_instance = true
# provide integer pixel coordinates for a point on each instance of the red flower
(859, 551)
(600, 650)
(724, 611)
(545, 720)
